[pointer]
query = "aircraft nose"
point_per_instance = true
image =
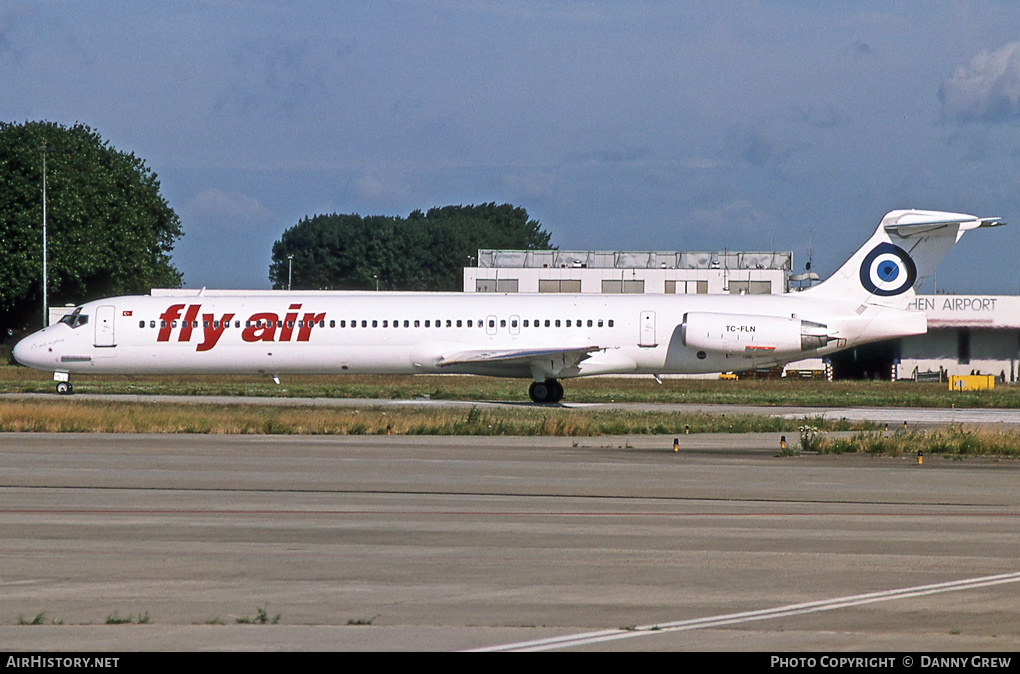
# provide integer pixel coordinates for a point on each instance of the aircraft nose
(31, 353)
(20, 352)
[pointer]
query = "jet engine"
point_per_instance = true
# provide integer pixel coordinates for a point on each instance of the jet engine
(752, 336)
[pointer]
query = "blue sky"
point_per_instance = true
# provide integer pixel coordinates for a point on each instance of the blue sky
(619, 125)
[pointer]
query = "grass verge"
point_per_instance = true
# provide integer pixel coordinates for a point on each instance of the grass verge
(61, 415)
(806, 393)
(952, 441)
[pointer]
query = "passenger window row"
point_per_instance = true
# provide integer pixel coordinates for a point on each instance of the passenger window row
(237, 324)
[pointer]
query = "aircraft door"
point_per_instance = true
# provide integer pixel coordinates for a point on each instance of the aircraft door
(490, 325)
(515, 325)
(104, 326)
(647, 336)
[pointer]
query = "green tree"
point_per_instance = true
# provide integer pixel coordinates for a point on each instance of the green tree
(110, 231)
(425, 251)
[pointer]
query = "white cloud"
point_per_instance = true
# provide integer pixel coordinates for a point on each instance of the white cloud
(986, 89)
(703, 162)
(762, 146)
(279, 76)
(383, 182)
(230, 209)
(534, 184)
(616, 155)
(825, 116)
(14, 31)
(735, 215)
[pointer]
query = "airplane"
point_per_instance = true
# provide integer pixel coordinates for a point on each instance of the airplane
(542, 337)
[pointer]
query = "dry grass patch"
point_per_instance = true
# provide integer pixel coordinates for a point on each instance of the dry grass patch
(84, 416)
(953, 441)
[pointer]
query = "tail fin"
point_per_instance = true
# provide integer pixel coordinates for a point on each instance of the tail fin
(900, 256)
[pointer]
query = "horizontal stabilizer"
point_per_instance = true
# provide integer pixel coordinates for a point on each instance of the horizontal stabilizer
(906, 228)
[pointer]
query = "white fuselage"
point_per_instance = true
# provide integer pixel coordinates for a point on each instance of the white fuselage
(378, 332)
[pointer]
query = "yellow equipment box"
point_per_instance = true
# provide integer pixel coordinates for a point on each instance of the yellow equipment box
(971, 382)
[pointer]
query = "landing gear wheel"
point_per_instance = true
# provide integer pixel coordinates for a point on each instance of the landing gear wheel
(548, 391)
(64, 388)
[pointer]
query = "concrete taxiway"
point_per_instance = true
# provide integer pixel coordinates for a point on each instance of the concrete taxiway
(419, 543)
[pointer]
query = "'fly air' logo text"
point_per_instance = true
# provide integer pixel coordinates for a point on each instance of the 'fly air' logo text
(260, 327)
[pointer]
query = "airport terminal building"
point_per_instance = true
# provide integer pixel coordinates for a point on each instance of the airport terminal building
(967, 334)
(597, 271)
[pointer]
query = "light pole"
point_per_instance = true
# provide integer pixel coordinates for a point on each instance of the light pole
(45, 149)
(290, 269)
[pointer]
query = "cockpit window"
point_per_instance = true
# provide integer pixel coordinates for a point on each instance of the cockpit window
(75, 319)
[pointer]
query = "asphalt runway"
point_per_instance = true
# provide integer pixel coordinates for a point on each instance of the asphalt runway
(440, 543)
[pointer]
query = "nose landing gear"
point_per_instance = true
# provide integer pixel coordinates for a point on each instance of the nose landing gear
(64, 387)
(548, 391)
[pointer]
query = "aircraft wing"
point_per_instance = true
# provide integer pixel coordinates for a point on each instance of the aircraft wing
(553, 361)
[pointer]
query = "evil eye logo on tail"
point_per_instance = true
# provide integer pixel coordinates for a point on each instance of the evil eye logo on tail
(888, 270)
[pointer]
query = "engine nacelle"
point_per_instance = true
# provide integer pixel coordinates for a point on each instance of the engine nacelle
(752, 336)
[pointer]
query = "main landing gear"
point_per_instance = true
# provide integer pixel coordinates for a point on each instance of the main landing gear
(548, 391)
